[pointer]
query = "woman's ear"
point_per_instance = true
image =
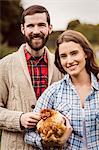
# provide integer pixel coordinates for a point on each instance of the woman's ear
(86, 56)
(22, 29)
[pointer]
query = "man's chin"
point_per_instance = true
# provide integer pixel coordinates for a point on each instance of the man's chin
(36, 48)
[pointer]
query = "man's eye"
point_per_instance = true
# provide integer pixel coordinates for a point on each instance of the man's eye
(42, 25)
(30, 25)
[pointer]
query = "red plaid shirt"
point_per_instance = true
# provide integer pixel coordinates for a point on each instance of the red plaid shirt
(38, 69)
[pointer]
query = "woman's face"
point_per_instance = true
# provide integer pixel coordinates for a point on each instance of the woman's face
(72, 58)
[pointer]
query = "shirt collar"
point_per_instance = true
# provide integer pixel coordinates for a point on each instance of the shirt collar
(29, 56)
(95, 83)
(44, 56)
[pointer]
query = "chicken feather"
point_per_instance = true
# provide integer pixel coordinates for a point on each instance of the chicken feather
(51, 126)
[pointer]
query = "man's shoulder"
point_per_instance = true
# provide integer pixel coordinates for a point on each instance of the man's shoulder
(11, 56)
(8, 58)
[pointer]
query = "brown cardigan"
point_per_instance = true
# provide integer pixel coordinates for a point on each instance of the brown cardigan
(17, 96)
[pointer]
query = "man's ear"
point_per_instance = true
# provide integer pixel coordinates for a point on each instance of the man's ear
(22, 29)
(50, 29)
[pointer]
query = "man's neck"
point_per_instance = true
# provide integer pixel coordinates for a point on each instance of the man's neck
(33, 52)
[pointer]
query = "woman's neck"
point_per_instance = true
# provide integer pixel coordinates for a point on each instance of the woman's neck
(82, 85)
(82, 79)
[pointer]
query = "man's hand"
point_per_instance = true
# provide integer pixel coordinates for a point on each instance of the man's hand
(29, 120)
(66, 134)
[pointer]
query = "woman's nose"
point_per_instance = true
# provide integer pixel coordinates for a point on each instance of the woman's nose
(69, 59)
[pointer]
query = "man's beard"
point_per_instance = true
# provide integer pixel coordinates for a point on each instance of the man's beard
(33, 46)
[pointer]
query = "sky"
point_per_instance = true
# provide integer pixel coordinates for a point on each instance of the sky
(64, 11)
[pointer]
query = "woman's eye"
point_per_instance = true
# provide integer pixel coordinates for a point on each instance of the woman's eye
(74, 53)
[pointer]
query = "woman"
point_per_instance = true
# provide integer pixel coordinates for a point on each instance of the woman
(77, 94)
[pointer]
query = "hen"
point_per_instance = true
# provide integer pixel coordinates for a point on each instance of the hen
(51, 126)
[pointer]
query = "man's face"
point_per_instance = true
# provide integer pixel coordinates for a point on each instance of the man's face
(36, 30)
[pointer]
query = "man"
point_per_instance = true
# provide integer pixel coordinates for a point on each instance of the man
(24, 75)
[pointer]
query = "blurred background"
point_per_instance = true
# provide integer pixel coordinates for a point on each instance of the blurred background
(80, 15)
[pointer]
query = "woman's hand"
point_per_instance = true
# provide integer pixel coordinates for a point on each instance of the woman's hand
(66, 134)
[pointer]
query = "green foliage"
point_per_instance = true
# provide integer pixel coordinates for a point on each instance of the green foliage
(73, 24)
(5, 50)
(89, 30)
(10, 17)
(51, 43)
(10, 21)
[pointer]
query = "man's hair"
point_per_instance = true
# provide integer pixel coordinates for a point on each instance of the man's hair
(33, 10)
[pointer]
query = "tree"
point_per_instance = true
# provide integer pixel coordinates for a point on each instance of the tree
(73, 24)
(10, 22)
(89, 30)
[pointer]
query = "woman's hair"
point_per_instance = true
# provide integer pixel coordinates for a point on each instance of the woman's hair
(77, 37)
(33, 10)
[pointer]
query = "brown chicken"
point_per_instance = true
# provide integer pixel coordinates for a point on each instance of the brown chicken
(51, 126)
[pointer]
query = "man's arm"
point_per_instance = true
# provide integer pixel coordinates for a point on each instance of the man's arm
(9, 120)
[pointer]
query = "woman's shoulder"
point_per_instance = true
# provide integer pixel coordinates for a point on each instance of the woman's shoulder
(95, 81)
(55, 87)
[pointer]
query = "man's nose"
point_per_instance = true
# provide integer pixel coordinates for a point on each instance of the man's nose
(36, 30)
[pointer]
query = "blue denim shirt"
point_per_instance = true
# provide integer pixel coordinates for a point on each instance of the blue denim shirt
(63, 97)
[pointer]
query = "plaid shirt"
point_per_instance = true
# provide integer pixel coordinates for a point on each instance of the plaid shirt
(63, 97)
(38, 69)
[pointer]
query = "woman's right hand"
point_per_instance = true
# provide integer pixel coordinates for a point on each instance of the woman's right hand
(66, 134)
